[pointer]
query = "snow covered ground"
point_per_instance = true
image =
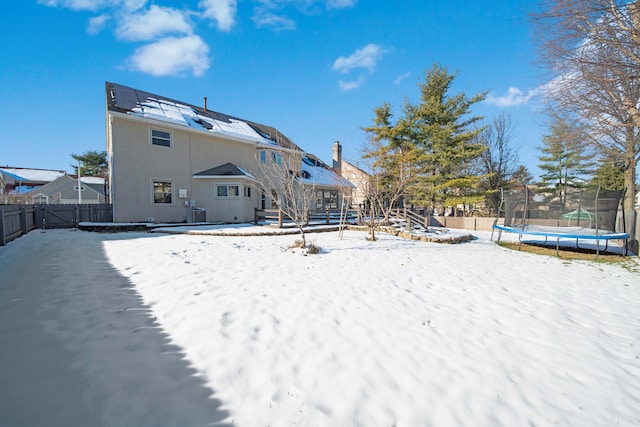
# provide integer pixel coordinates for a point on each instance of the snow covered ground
(394, 332)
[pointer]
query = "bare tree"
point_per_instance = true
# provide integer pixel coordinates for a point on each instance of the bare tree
(289, 186)
(498, 162)
(592, 50)
(389, 176)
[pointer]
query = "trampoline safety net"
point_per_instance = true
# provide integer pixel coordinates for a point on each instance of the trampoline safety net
(595, 209)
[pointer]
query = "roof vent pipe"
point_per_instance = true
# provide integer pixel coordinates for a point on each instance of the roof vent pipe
(205, 103)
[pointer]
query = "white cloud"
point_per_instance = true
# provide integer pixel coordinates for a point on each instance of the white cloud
(367, 57)
(172, 56)
(339, 4)
(155, 22)
(268, 13)
(513, 97)
(351, 85)
(221, 11)
(76, 4)
(95, 5)
(401, 77)
(97, 23)
(263, 18)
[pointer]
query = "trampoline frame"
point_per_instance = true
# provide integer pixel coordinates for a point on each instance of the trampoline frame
(559, 232)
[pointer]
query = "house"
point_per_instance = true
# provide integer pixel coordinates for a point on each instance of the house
(15, 182)
(168, 158)
(64, 190)
(358, 177)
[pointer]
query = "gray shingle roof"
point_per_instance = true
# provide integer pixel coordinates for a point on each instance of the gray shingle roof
(227, 169)
(128, 100)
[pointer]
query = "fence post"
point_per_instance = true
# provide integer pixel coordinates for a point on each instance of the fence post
(255, 216)
(327, 215)
(23, 219)
(279, 218)
(3, 240)
(39, 216)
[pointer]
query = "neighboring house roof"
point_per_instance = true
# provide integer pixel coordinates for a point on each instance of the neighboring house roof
(68, 181)
(227, 169)
(139, 103)
(318, 173)
(356, 167)
(90, 179)
(94, 182)
(26, 175)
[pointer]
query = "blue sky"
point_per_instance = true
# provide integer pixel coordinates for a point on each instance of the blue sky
(314, 69)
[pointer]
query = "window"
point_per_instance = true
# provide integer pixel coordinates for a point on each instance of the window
(228, 190)
(276, 158)
(247, 191)
(162, 192)
(161, 138)
(263, 156)
(326, 199)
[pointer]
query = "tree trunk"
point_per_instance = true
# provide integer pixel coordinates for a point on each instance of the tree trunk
(629, 201)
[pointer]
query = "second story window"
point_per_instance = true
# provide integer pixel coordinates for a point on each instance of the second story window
(161, 138)
(263, 156)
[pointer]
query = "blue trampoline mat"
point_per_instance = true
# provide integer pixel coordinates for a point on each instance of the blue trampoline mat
(564, 232)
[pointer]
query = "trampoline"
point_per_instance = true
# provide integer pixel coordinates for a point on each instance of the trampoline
(579, 214)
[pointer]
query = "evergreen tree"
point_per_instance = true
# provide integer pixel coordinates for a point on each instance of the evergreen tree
(92, 163)
(522, 176)
(609, 173)
(433, 142)
(565, 161)
(443, 132)
(390, 158)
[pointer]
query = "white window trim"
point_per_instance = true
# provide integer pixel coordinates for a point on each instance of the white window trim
(173, 196)
(228, 184)
(170, 132)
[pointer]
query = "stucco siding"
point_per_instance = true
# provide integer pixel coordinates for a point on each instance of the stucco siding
(136, 163)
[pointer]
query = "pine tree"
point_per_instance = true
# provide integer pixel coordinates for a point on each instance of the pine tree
(565, 161)
(441, 129)
(390, 158)
(433, 143)
(92, 163)
(609, 173)
(522, 176)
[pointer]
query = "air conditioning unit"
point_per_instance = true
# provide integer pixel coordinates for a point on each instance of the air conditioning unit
(196, 215)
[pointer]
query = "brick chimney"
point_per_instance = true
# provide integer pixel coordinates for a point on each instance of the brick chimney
(337, 157)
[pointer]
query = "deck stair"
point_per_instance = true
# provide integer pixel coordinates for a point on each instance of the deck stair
(408, 221)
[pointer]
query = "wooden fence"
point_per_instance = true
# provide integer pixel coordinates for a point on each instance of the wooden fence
(319, 216)
(16, 220)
